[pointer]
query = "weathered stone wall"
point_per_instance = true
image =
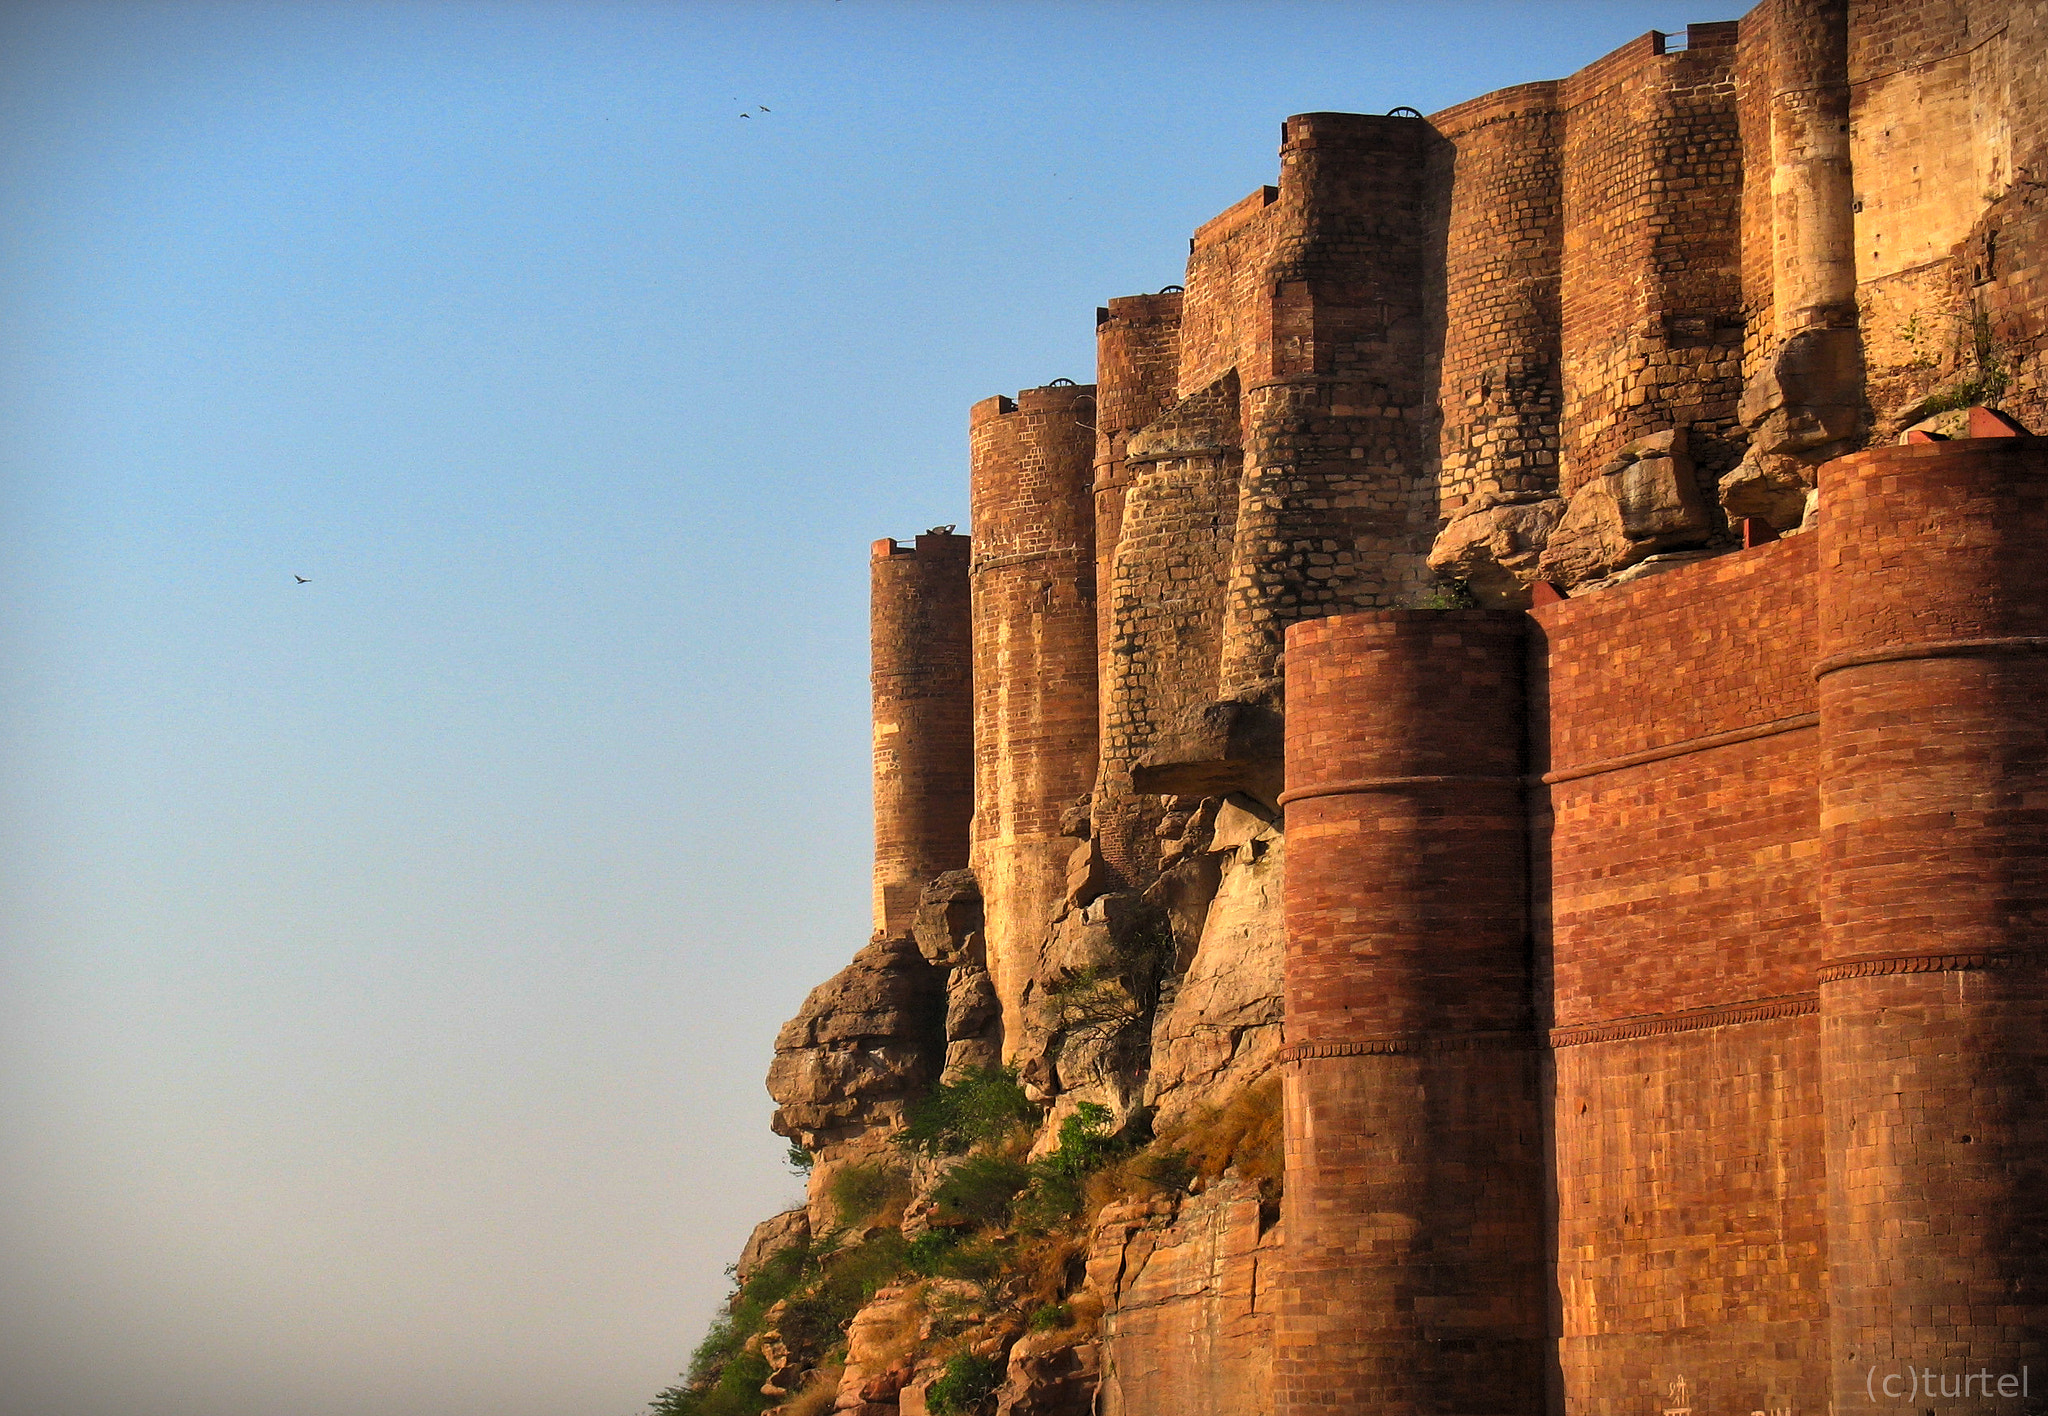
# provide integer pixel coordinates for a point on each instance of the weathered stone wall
(1500, 388)
(1652, 298)
(922, 676)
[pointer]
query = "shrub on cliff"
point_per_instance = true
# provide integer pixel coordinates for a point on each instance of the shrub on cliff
(979, 1107)
(863, 1194)
(979, 1190)
(969, 1381)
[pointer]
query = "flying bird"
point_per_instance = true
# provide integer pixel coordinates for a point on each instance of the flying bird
(300, 578)
(763, 107)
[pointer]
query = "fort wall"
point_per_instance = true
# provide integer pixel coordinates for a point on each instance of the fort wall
(922, 677)
(1660, 1009)
(1414, 1273)
(1934, 896)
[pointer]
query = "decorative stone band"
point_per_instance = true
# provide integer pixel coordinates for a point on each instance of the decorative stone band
(1691, 1020)
(1684, 747)
(1932, 649)
(1876, 966)
(1391, 784)
(1411, 1045)
(1024, 557)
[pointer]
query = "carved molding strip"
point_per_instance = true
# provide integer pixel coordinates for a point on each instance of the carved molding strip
(1876, 966)
(1794, 1006)
(1410, 1046)
(1932, 649)
(1391, 784)
(1684, 747)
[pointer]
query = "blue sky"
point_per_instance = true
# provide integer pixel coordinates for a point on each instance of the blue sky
(392, 961)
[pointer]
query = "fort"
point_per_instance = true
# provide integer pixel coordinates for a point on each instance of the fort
(1541, 648)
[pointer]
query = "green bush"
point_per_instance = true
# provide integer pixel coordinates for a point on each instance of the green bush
(1057, 1182)
(968, 1383)
(979, 1107)
(736, 1392)
(929, 1251)
(979, 1189)
(860, 1192)
(1052, 1315)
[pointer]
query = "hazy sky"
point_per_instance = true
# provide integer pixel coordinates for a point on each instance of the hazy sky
(391, 962)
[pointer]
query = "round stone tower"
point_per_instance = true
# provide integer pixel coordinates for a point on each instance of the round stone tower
(1034, 661)
(1414, 1274)
(1934, 899)
(923, 681)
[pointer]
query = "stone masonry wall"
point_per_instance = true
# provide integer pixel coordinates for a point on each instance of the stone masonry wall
(1500, 386)
(1679, 833)
(1652, 304)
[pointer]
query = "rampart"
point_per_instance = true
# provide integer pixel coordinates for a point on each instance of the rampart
(1541, 649)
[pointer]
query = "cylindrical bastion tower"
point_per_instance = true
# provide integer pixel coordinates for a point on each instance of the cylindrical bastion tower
(1414, 1274)
(1934, 896)
(922, 660)
(1034, 661)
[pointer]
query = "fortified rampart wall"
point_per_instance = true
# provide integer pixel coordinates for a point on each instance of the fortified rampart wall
(1396, 643)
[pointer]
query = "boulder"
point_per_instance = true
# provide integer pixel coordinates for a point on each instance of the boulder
(866, 1042)
(770, 1237)
(1645, 500)
(948, 922)
(1494, 547)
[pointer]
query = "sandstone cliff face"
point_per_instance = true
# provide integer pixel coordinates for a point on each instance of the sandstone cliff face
(867, 1043)
(1220, 1030)
(1189, 1324)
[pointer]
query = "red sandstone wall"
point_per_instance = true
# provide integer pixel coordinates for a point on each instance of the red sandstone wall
(1934, 891)
(1679, 944)
(1413, 1277)
(923, 685)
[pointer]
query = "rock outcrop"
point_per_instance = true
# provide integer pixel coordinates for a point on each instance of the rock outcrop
(1189, 1326)
(1645, 500)
(1495, 544)
(1219, 1029)
(867, 1043)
